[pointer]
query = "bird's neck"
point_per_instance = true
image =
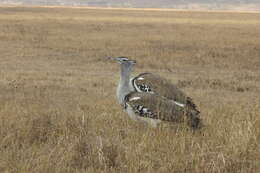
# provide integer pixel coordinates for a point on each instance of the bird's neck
(123, 86)
(125, 73)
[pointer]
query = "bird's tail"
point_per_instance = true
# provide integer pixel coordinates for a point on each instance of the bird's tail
(193, 114)
(193, 117)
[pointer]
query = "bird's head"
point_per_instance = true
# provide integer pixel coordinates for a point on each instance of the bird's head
(124, 61)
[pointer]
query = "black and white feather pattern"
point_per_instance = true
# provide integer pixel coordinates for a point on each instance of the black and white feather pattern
(148, 82)
(144, 88)
(150, 106)
(143, 111)
(154, 84)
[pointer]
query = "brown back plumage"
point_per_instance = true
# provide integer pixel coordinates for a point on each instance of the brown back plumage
(151, 106)
(156, 107)
(151, 83)
(160, 86)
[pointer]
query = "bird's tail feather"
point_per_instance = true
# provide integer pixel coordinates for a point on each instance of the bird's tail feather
(193, 114)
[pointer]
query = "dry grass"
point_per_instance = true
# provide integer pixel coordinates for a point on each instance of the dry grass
(58, 111)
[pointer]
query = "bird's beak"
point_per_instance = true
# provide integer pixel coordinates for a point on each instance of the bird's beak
(133, 62)
(116, 59)
(110, 58)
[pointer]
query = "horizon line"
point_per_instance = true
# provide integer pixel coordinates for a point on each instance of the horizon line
(130, 8)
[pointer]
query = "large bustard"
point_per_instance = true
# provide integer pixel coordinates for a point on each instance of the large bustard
(151, 98)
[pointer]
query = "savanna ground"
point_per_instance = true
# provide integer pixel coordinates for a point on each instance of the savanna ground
(58, 111)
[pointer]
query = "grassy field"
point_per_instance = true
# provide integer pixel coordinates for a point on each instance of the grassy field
(58, 111)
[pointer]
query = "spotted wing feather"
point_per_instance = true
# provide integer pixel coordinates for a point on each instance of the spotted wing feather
(151, 106)
(148, 82)
(151, 83)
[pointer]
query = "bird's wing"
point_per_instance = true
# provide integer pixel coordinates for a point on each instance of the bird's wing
(151, 83)
(148, 82)
(155, 107)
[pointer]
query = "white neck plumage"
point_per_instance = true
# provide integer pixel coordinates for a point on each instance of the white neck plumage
(124, 83)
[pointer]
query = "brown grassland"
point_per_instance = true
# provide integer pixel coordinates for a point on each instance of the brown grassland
(58, 110)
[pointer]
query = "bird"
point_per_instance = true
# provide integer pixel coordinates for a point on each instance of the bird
(138, 95)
